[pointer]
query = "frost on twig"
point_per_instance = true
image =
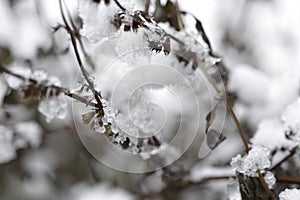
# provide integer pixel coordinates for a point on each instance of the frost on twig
(258, 158)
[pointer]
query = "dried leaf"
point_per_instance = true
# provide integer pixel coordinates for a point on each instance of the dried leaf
(210, 118)
(214, 138)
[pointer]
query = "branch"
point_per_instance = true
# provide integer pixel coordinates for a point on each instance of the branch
(57, 88)
(119, 5)
(237, 124)
(292, 152)
(265, 185)
(85, 74)
(288, 179)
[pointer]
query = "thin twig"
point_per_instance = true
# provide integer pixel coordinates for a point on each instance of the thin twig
(288, 179)
(291, 153)
(237, 124)
(119, 5)
(265, 185)
(57, 88)
(85, 74)
(147, 5)
(179, 18)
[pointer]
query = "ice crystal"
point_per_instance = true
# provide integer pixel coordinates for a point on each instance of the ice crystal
(15, 82)
(44, 78)
(132, 46)
(270, 179)
(290, 194)
(97, 20)
(258, 158)
(53, 107)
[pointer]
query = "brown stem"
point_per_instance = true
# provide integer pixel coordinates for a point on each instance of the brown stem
(288, 179)
(60, 89)
(80, 63)
(265, 185)
(119, 5)
(147, 5)
(292, 152)
(237, 124)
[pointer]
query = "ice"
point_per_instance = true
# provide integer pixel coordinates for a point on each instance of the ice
(290, 194)
(270, 179)
(114, 127)
(258, 158)
(99, 129)
(97, 20)
(53, 107)
(44, 78)
(132, 46)
(15, 82)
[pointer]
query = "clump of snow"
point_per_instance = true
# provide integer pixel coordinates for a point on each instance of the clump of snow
(261, 94)
(199, 172)
(44, 78)
(290, 194)
(7, 150)
(291, 120)
(53, 107)
(97, 20)
(14, 82)
(28, 132)
(270, 179)
(233, 190)
(258, 158)
(270, 128)
(131, 46)
(249, 83)
(98, 191)
(21, 29)
(12, 139)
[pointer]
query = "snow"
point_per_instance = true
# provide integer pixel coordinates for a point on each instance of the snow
(97, 20)
(270, 134)
(258, 158)
(12, 139)
(22, 19)
(250, 84)
(28, 132)
(199, 172)
(131, 46)
(14, 82)
(233, 190)
(7, 150)
(291, 119)
(290, 194)
(94, 192)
